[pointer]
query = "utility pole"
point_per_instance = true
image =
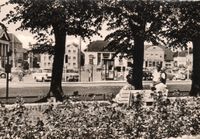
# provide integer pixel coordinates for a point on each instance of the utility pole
(13, 50)
(188, 63)
(8, 71)
(30, 56)
(79, 59)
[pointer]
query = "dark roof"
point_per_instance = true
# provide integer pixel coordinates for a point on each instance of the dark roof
(183, 53)
(1, 31)
(21, 50)
(147, 46)
(169, 55)
(96, 46)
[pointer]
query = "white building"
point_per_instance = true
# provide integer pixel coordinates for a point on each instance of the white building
(100, 59)
(4, 47)
(154, 55)
(183, 58)
(46, 61)
(71, 59)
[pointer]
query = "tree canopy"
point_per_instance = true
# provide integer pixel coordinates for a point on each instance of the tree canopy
(135, 22)
(59, 18)
(78, 17)
(183, 27)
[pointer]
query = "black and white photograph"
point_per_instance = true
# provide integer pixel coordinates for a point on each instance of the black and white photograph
(99, 69)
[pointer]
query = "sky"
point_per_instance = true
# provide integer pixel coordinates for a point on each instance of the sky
(26, 37)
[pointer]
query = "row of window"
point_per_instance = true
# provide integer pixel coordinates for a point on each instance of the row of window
(47, 64)
(152, 63)
(69, 57)
(49, 57)
(69, 51)
(154, 55)
(74, 64)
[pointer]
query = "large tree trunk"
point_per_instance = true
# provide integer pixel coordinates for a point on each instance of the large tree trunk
(138, 58)
(56, 81)
(195, 88)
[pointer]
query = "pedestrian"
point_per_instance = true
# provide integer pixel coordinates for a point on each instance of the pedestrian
(163, 76)
(156, 75)
(20, 76)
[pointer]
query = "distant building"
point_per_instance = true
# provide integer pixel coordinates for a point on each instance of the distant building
(17, 51)
(4, 47)
(9, 42)
(19, 54)
(154, 55)
(99, 58)
(46, 61)
(71, 59)
(183, 58)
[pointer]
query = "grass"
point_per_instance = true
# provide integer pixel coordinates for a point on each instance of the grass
(31, 94)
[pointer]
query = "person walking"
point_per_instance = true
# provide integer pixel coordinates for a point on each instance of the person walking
(20, 76)
(157, 75)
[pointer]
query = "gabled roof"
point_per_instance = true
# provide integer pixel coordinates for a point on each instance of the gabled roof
(4, 35)
(21, 50)
(167, 52)
(97, 46)
(72, 44)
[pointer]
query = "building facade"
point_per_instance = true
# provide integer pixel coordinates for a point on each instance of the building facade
(154, 55)
(46, 61)
(71, 59)
(184, 58)
(100, 60)
(4, 47)
(72, 56)
(18, 52)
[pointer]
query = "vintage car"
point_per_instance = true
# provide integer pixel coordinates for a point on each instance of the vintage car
(147, 75)
(175, 75)
(42, 75)
(71, 75)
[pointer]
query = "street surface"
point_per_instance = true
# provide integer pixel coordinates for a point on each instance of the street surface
(31, 89)
(28, 81)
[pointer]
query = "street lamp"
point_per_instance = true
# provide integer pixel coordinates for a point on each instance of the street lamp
(188, 63)
(79, 59)
(7, 70)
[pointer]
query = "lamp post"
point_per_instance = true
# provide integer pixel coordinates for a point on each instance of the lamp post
(79, 59)
(7, 70)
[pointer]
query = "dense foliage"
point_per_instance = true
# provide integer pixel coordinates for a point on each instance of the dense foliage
(164, 119)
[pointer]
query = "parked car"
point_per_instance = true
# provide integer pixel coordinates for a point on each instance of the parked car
(180, 76)
(170, 74)
(42, 75)
(175, 75)
(147, 75)
(71, 75)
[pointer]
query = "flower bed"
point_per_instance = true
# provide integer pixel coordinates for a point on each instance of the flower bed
(165, 119)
